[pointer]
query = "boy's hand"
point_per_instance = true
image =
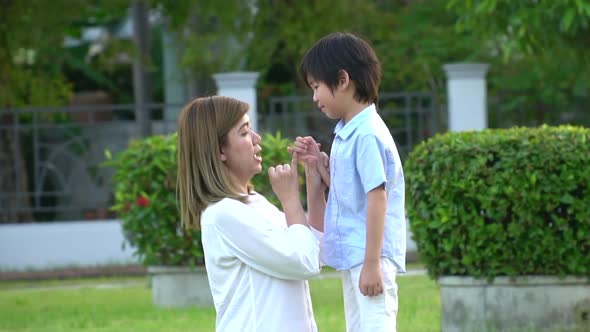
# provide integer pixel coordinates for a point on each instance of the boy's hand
(371, 280)
(309, 152)
(307, 148)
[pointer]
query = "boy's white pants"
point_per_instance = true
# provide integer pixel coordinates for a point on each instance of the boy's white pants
(370, 313)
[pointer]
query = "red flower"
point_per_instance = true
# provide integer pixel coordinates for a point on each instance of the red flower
(142, 201)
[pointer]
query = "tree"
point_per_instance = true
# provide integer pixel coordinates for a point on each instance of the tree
(413, 39)
(545, 74)
(29, 77)
(32, 55)
(214, 33)
(527, 26)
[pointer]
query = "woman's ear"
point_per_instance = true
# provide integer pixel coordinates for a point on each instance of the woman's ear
(222, 155)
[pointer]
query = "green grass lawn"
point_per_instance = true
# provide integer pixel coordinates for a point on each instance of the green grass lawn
(71, 282)
(87, 308)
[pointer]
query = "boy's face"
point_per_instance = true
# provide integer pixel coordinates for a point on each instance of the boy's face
(326, 99)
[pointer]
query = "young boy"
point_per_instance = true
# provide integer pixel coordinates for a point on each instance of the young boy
(365, 228)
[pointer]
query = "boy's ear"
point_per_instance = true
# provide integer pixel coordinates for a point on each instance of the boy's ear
(343, 79)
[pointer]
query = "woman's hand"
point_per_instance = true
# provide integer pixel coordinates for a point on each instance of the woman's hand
(285, 181)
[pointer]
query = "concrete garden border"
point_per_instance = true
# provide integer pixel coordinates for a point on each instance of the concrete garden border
(180, 286)
(514, 303)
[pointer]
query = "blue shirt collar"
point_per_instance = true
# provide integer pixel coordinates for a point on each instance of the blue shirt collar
(344, 130)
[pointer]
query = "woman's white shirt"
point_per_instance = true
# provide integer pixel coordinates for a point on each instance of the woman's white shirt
(257, 267)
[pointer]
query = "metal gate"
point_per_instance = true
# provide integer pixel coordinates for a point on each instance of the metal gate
(50, 159)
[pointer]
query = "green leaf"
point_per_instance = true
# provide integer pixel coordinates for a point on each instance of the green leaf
(567, 199)
(568, 19)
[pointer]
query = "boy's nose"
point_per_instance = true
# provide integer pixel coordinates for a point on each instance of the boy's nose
(315, 99)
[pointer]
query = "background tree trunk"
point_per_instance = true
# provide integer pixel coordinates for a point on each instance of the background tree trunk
(13, 208)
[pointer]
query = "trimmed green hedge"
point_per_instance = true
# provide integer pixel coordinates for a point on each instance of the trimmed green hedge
(502, 202)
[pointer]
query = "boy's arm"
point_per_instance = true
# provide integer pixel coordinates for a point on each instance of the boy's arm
(371, 280)
(323, 167)
(316, 199)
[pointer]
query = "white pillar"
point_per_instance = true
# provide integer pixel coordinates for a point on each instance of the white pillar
(174, 83)
(241, 86)
(466, 92)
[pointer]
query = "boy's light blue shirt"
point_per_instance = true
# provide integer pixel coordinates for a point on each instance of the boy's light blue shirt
(363, 156)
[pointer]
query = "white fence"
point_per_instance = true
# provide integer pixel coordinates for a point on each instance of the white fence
(43, 246)
(40, 246)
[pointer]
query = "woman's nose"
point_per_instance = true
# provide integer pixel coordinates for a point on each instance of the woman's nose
(255, 137)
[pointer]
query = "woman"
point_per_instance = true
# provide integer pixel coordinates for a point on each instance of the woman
(257, 257)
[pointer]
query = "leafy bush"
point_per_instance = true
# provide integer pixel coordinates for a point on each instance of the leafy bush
(145, 201)
(502, 202)
(145, 198)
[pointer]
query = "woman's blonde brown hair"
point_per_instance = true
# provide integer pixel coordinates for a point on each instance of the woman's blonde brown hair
(203, 126)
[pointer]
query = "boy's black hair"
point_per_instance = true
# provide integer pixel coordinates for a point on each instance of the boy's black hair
(343, 51)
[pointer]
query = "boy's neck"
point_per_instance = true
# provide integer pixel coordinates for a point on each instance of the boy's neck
(354, 109)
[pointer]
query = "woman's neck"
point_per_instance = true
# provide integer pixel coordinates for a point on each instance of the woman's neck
(240, 186)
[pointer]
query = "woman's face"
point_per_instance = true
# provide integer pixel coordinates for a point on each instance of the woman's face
(241, 153)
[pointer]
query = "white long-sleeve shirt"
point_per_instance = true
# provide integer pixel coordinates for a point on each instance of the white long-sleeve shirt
(257, 267)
